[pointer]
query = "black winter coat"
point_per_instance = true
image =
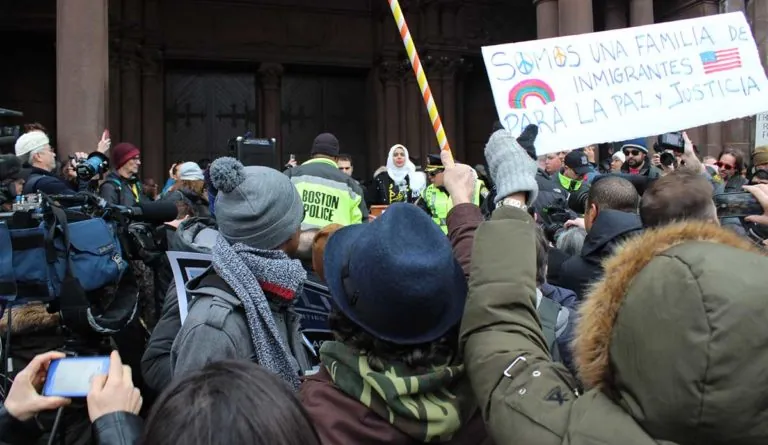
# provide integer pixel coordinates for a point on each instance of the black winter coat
(384, 191)
(610, 228)
(120, 428)
(117, 191)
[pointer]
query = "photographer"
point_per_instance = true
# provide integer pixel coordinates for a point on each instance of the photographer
(122, 186)
(34, 151)
(610, 217)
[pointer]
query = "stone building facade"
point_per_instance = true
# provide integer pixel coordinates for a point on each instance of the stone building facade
(180, 77)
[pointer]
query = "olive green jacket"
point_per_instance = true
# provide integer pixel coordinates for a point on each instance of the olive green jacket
(672, 344)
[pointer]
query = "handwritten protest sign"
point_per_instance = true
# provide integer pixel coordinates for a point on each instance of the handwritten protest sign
(623, 84)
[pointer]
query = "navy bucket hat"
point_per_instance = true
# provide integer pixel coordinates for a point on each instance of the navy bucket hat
(396, 277)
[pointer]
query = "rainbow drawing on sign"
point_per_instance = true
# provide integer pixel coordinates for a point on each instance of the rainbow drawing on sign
(530, 88)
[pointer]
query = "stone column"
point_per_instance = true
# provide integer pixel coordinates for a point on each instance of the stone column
(131, 36)
(450, 71)
(640, 12)
(391, 72)
(82, 74)
(615, 14)
(546, 19)
(575, 17)
(413, 110)
(270, 75)
(155, 164)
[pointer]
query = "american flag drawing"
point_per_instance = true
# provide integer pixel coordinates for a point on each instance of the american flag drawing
(723, 60)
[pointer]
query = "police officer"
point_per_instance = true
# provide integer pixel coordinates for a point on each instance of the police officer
(329, 195)
(435, 199)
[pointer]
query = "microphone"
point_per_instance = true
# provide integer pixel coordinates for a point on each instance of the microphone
(153, 212)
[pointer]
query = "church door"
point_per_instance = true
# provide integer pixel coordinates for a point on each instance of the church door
(203, 111)
(313, 104)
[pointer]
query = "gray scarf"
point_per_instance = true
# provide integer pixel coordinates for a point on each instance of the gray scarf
(248, 271)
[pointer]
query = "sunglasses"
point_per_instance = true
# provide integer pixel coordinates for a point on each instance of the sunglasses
(632, 152)
(434, 173)
(725, 166)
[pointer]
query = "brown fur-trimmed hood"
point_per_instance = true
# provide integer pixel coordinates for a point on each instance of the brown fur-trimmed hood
(29, 319)
(677, 333)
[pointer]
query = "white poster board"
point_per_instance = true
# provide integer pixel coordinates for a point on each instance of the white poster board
(634, 82)
(761, 129)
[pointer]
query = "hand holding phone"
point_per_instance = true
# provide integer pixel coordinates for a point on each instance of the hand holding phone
(72, 376)
(24, 400)
(114, 392)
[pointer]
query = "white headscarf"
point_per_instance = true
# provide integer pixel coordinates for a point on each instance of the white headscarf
(398, 174)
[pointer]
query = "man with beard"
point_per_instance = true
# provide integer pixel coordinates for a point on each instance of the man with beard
(638, 163)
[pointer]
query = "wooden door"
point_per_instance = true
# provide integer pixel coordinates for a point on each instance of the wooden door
(203, 111)
(313, 104)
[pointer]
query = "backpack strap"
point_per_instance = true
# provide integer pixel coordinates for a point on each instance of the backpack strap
(548, 311)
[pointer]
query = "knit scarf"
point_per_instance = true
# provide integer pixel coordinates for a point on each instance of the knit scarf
(428, 406)
(250, 272)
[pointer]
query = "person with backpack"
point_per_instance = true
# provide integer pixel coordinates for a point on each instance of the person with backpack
(122, 186)
(242, 307)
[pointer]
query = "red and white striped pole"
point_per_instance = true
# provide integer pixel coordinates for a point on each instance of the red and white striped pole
(421, 76)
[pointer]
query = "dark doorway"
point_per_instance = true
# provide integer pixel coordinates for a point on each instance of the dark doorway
(205, 110)
(313, 104)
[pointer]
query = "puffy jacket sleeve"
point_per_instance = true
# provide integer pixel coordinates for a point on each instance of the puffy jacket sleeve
(120, 428)
(156, 361)
(462, 223)
(524, 396)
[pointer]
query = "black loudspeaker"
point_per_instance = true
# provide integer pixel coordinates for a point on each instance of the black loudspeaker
(261, 151)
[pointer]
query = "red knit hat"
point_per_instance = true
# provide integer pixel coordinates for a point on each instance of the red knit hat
(122, 153)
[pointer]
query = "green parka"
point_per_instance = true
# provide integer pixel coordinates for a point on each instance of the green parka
(672, 344)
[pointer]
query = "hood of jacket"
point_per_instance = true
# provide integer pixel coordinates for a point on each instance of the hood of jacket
(194, 235)
(676, 335)
(609, 228)
(427, 405)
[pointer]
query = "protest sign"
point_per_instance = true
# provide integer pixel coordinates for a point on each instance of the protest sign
(761, 129)
(313, 304)
(628, 83)
(186, 266)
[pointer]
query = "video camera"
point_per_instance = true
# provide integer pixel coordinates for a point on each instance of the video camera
(65, 251)
(96, 164)
(669, 141)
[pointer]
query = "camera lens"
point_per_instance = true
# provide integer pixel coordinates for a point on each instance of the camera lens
(667, 159)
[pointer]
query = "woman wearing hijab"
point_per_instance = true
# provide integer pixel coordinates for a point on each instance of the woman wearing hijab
(394, 184)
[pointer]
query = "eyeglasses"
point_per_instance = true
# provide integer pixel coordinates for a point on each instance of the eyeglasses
(632, 152)
(725, 166)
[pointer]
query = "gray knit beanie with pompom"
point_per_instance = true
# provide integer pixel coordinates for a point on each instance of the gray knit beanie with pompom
(255, 206)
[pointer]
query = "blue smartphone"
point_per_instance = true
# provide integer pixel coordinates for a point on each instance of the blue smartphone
(71, 376)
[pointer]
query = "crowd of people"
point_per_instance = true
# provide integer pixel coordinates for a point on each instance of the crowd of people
(532, 300)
